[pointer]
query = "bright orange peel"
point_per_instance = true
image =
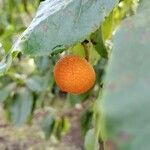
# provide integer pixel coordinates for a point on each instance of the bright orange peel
(74, 74)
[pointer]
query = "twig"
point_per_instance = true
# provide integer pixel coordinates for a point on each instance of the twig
(86, 51)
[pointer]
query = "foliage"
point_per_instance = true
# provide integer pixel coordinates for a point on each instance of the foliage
(49, 24)
(87, 30)
(126, 97)
(11, 24)
(90, 141)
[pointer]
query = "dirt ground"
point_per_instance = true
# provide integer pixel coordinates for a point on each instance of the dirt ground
(32, 138)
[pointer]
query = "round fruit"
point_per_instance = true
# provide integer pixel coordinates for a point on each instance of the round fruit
(74, 74)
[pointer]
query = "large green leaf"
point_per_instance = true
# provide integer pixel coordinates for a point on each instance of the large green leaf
(126, 103)
(59, 24)
(21, 106)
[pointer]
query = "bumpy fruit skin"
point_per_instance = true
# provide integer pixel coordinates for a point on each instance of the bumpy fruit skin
(74, 74)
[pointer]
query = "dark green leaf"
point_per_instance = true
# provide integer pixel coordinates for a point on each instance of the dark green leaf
(86, 120)
(99, 43)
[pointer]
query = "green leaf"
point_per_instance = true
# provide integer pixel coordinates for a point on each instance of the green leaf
(48, 125)
(107, 26)
(61, 127)
(125, 106)
(86, 120)
(98, 42)
(5, 63)
(21, 106)
(91, 143)
(74, 99)
(6, 91)
(78, 50)
(65, 125)
(61, 24)
(37, 83)
(42, 63)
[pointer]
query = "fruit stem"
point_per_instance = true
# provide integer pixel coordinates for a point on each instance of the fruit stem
(86, 51)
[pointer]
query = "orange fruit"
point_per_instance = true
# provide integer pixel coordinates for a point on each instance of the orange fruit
(74, 74)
